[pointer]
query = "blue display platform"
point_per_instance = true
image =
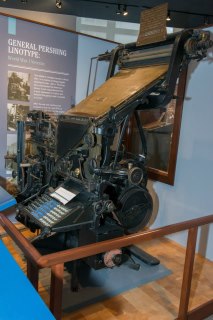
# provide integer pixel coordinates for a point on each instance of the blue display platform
(6, 199)
(18, 298)
(98, 285)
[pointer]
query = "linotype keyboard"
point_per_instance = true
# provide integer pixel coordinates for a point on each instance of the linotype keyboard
(46, 211)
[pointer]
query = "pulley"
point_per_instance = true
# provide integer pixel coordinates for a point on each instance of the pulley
(135, 208)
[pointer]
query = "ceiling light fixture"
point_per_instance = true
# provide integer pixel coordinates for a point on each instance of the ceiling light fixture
(168, 18)
(125, 12)
(58, 4)
(118, 9)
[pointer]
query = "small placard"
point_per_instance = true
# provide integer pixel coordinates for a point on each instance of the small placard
(153, 25)
(63, 195)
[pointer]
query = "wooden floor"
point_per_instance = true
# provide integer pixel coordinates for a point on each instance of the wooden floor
(156, 300)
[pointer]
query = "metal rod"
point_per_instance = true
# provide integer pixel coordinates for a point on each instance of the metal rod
(126, 121)
(141, 133)
(94, 81)
(90, 70)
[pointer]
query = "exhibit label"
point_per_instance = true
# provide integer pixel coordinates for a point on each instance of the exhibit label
(38, 72)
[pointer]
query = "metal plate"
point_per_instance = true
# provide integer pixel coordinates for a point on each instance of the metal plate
(124, 85)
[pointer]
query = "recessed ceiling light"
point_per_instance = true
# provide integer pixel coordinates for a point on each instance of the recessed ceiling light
(118, 9)
(125, 12)
(168, 18)
(58, 4)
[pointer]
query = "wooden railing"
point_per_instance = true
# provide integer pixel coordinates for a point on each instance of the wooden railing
(55, 261)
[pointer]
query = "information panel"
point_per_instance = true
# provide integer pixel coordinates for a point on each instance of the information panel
(37, 72)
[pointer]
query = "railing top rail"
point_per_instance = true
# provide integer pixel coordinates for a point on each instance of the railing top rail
(95, 248)
(23, 243)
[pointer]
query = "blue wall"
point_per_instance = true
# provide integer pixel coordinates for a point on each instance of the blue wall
(192, 194)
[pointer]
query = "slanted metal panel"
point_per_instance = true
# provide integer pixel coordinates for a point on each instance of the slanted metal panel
(120, 88)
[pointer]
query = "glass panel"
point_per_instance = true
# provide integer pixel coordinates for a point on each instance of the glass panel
(161, 128)
(169, 30)
(124, 38)
(127, 25)
(158, 128)
(93, 22)
(94, 33)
